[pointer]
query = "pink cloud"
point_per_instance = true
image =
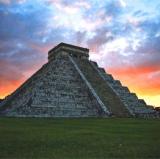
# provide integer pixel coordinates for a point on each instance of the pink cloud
(8, 2)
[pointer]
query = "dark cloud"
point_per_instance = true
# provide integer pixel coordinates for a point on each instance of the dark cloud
(114, 8)
(101, 37)
(25, 39)
(148, 52)
(150, 26)
(18, 31)
(21, 26)
(11, 72)
(80, 37)
(140, 13)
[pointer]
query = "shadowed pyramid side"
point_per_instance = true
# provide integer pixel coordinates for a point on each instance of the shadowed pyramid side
(106, 94)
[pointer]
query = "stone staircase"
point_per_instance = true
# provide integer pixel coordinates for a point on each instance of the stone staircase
(104, 91)
(137, 107)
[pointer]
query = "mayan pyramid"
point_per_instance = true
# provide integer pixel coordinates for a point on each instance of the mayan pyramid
(70, 85)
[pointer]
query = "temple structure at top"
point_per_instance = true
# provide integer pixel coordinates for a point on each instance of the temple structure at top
(68, 49)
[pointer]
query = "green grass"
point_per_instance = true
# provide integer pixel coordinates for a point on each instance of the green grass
(35, 138)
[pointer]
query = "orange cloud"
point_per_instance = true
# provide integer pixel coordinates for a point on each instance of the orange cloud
(10, 78)
(8, 87)
(13, 75)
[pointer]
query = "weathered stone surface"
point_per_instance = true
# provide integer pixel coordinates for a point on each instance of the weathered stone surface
(70, 85)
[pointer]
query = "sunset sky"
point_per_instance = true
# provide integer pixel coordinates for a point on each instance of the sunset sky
(123, 37)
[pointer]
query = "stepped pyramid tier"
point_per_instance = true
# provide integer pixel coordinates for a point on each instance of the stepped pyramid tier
(69, 85)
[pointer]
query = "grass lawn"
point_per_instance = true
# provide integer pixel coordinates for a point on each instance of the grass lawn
(39, 138)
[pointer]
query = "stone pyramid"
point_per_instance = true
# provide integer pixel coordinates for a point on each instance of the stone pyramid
(69, 85)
